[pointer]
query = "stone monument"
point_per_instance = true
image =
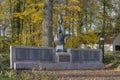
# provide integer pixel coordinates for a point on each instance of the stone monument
(60, 36)
(24, 57)
(59, 39)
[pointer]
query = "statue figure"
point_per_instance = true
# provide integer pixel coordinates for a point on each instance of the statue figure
(60, 35)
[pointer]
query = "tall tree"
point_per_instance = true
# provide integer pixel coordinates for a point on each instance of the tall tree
(16, 22)
(47, 27)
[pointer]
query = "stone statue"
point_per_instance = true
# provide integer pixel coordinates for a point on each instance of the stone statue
(60, 35)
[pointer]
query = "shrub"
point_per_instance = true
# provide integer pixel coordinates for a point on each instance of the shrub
(4, 60)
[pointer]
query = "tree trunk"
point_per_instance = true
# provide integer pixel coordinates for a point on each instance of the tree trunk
(16, 23)
(47, 27)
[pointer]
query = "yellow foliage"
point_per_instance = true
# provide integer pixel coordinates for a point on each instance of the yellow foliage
(89, 37)
(18, 15)
(26, 13)
(29, 1)
(74, 1)
(56, 8)
(73, 42)
(37, 16)
(2, 16)
(40, 4)
(38, 42)
(74, 8)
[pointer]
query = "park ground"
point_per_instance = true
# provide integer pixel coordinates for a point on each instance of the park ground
(104, 74)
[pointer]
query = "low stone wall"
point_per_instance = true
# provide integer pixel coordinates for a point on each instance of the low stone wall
(23, 57)
(31, 54)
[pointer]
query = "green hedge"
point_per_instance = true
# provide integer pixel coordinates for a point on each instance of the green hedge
(112, 58)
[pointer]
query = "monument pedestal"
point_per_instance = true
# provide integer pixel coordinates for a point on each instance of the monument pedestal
(62, 57)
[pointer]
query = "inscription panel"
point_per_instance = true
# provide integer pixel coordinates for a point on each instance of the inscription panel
(85, 55)
(64, 58)
(22, 54)
(28, 54)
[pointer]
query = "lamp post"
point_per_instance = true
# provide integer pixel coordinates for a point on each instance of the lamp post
(101, 46)
(103, 29)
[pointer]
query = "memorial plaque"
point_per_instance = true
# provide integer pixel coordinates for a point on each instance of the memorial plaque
(36, 56)
(96, 56)
(24, 54)
(64, 58)
(47, 55)
(85, 55)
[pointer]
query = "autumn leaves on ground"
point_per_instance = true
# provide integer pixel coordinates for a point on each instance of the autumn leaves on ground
(88, 74)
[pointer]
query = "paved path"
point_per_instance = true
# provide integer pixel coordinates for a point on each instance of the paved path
(87, 74)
